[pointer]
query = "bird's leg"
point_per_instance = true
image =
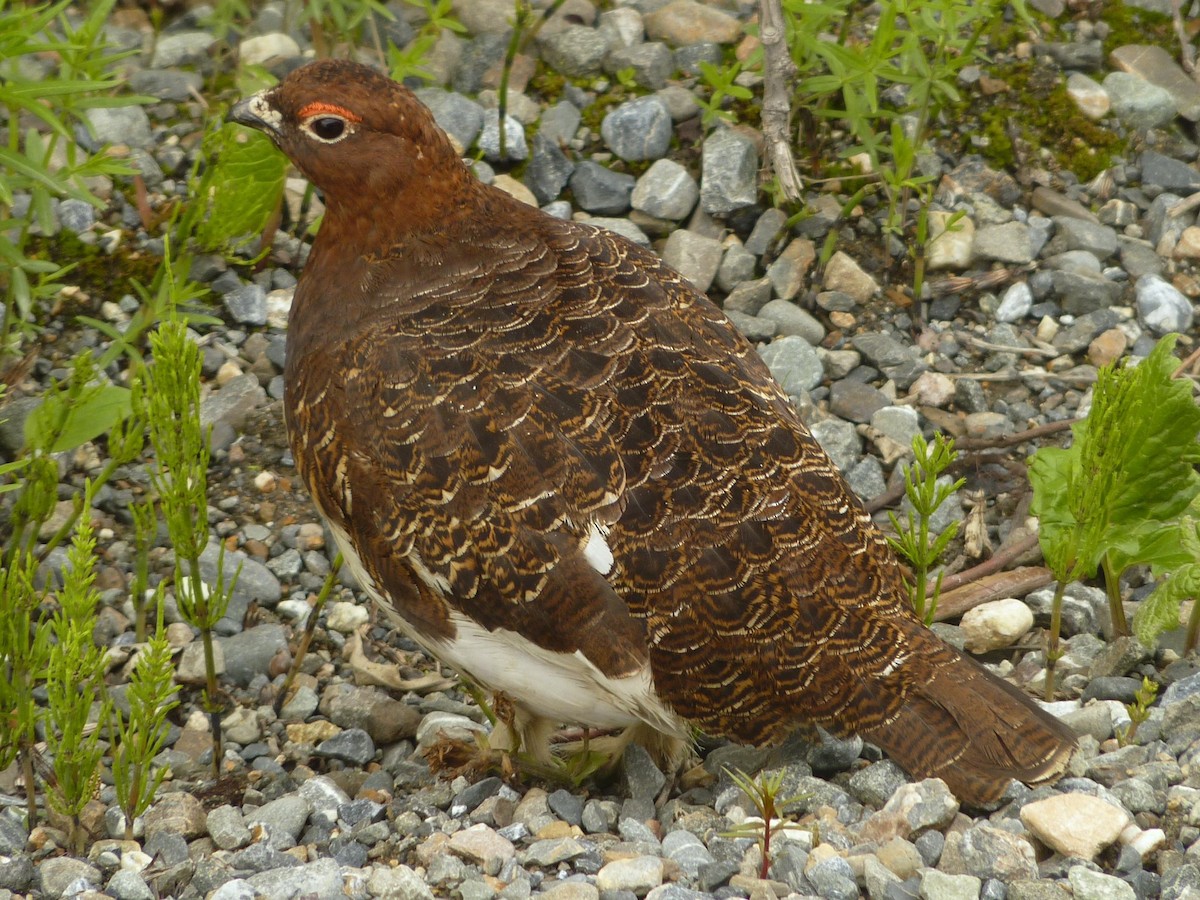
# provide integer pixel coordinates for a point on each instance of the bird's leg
(517, 730)
(669, 752)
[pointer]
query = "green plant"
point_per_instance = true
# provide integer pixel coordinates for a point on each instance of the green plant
(409, 61)
(24, 655)
(141, 737)
(227, 16)
(1139, 711)
(763, 793)
(239, 193)
(926, 490)
(9, 471)
(1159, 612)
(76, 701)
(722, 87)
(170, 394)
(82, 408)
(913, 54)
(335, 22)
(40, 116)
(1116, 498)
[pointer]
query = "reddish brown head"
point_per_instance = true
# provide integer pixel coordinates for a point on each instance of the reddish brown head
(363, 139)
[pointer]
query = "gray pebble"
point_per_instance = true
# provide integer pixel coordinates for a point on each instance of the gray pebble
(516, 149)
(182, 48)
(737, 266)
(840, 440)
(247, 305)
(794, 364)
(728, 182)
(76, 215)
(793, 320)
(459, 116)
(638, 129)
(665, 191)
(548, 171)
(652, 63)
(1168, 173)
(127, 125)
(128, 885)
(320, 880)
(601, 191)
(1137, 102)
(1161, 306)
(353, 746)
(576, 52)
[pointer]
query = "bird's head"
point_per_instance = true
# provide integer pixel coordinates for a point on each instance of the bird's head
(362, 138)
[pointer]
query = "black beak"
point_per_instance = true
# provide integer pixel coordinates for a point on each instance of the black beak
(257, 112)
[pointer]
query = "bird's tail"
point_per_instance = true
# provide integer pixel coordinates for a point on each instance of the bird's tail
(975, 732)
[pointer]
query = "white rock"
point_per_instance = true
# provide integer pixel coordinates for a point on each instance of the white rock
(1077, 825)
(346, 617)
(933, 389)
(639, 875)
(279, 304)
(1015, 304)
(949, 249)
(1145, 841)
(261, 48)
(1000, 623)
(1161, 306)
(1093, 101)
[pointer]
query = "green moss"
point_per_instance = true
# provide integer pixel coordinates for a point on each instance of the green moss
(594, 113)
(1130, 25)
(102, 275)
(546, 84)
(1034, 114)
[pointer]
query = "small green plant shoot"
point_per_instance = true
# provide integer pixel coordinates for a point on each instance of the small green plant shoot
(926, 491)
(1139, 711)
(763, 793)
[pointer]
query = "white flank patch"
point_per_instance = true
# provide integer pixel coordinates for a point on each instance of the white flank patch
(597, 552)
(561, 687)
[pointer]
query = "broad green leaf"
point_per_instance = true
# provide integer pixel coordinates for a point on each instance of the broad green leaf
(64, 425)
(242, 189)
(1159, 612)
(1129, 473)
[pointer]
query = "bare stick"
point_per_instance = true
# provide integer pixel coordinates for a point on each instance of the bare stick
(779, 72)
(997, 561)
(1014, 583)
(1020, 437)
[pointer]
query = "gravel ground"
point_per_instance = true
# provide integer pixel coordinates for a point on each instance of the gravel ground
(1047, 278)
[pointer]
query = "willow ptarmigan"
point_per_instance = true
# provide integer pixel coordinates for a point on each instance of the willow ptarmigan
(570, 478)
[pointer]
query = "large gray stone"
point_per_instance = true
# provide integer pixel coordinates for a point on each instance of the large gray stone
(601, 191)
(638, 130)
(729, 173)
(666, 191)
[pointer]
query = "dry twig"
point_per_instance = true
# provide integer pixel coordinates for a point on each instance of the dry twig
(779, 73)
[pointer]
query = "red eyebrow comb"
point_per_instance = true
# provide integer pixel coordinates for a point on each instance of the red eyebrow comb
(317, 107)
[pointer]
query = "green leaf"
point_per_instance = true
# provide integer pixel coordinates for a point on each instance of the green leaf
(1159, 612)
(65, 424)
(242, 189)
(1130, 471)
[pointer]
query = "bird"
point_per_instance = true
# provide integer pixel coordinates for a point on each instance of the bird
(565, 473)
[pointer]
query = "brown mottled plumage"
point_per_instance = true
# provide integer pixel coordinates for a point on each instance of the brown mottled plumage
(569, 476)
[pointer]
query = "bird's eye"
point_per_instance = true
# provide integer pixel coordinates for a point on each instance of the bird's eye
(327, 128)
